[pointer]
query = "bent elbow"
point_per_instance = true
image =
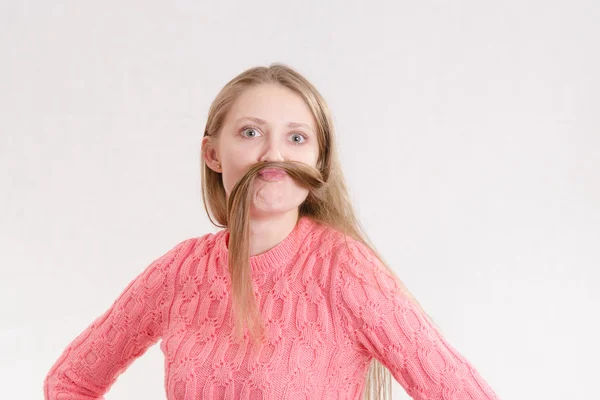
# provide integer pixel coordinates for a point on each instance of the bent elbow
(59, 386)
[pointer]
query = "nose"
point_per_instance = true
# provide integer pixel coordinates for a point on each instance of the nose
(272, 152)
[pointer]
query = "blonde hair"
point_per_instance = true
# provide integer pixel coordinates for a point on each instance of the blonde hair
(328, 201)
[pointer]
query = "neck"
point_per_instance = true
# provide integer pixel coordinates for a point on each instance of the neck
(268, 231)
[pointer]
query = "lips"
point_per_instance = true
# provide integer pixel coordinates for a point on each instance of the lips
(271, 174)
(272, 171)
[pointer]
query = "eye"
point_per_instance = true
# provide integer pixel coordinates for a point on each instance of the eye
(298, 138)
(253, 131)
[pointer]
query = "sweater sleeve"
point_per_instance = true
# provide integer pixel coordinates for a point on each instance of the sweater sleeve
(92, 362)
(385, 322)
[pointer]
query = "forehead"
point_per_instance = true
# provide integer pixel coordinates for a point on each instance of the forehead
(273, 103)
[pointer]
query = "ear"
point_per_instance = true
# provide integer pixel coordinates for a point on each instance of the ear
(210, 155)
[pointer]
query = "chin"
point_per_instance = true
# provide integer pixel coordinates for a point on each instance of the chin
(262, 210)
(271, 199)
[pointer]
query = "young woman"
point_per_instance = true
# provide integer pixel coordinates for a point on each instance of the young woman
(287, 301)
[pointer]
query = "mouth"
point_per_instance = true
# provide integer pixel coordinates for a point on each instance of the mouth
(272, 174)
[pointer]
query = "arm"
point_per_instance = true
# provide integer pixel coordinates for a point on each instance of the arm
(390, 326)
(91, 363)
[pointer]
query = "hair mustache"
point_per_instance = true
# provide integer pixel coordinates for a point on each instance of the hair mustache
(305, 175)
(238, 210)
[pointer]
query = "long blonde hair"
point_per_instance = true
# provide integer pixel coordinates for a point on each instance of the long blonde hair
(328, 201)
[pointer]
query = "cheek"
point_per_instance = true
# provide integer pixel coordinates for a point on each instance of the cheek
(234, 168)
(230, 178)
(312, 158)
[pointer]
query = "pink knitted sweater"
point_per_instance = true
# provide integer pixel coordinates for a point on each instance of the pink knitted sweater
(329, 308)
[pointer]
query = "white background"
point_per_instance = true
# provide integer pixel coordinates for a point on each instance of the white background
(468, 134)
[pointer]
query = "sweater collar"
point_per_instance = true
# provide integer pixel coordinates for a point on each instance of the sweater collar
(280, 254)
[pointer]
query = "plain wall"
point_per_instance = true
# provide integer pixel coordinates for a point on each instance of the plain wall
(468, 133)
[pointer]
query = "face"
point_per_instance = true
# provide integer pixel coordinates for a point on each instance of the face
(267, 122)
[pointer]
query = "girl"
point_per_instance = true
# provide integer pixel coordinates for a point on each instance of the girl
(288, 300)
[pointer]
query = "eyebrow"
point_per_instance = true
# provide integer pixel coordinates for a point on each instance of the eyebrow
(289, 124)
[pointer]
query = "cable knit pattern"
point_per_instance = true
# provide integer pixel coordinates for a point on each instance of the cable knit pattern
(329, 308)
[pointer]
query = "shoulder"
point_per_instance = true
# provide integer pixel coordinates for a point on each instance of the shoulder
(323, 241)
(357, 263)
(188, 245)
(343, 248)
(193, 248)
(345, 254)
(200, 246)
(197, 243)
